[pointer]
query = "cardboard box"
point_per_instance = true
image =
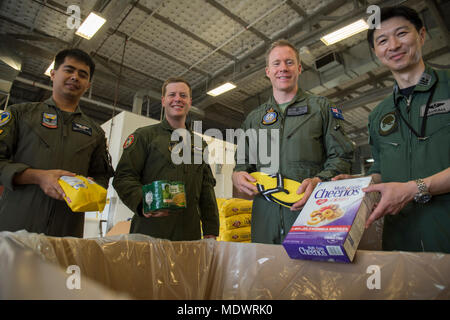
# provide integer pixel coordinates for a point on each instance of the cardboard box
(121, 227)
(35, 266)
(331, 224)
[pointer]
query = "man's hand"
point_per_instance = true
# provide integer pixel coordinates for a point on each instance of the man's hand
(156, 214)
(209, 236)
(343, 177)
(394, 196)
(307, 187)
(242, 181)
(46, 179)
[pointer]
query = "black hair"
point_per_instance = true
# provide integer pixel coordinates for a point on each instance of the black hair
(400, 11)
(76, 54)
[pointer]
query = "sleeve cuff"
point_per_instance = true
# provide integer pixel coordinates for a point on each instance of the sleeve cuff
(8, 174)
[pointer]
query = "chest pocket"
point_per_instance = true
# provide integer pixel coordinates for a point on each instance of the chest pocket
(393, 156)
(35, 144)
(159, 165)
(304, 139)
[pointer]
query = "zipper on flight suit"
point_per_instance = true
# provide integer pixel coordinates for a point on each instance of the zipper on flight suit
(408, 109)
(281, 145)
(60, 120)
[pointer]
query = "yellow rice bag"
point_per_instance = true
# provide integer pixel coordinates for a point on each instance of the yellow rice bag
(83, 194)
(236, 221)
(235, 206)
(237, 235)
(220, 201)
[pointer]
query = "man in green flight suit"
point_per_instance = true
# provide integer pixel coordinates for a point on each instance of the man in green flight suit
(42, 141)
(307, 132)
(147, 157)
(410, 139)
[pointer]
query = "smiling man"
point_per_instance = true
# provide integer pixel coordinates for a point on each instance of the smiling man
(311, 142)
(42, 141)
(147, 157)
(410, 139)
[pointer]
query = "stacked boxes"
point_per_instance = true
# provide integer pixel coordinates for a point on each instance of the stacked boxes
(235, 219)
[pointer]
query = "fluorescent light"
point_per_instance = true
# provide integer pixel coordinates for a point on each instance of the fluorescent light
(221, 89)
(90, 26)
(370, 160)
(50, 68)
(345, 32)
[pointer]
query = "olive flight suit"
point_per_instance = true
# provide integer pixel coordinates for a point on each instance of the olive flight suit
(311, 144)
(400, 156)
(146, 158)
(40, 136)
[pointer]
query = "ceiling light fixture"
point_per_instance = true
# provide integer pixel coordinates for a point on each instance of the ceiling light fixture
(50, 68)
(221, 89)
(370, 160)
(90, 26)
(345, 32)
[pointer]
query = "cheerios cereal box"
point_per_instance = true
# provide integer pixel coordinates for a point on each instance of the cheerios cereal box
(331, 223)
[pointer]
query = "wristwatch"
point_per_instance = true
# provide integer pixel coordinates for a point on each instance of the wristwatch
(423, 196)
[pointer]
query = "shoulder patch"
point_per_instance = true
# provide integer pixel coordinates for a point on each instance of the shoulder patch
(4, 118)
(337, 113)
(129, 141)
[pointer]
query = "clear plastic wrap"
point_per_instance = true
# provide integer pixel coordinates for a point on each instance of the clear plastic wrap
(140, 267)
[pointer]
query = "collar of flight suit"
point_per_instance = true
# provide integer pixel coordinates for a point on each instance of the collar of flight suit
(426, 82)
(52, 103)
(166, 125)
(299, 96)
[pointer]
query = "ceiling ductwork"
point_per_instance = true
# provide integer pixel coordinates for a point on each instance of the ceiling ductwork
(10, 66)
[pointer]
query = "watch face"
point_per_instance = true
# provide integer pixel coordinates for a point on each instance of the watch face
(422, 198)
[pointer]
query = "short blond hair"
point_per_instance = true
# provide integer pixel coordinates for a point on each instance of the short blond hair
(174, 80)
(282, 43)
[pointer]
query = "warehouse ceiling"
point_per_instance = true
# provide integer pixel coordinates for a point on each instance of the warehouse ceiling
(208, 42)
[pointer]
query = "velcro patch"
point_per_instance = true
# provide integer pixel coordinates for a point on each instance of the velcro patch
(297, 111)
(49, 120)
(4, 118)
(436, 108)
(337, 113)
(78, 127)
(129, 141)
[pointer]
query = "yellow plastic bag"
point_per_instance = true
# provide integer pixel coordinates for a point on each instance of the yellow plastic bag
(237, 235)
(235, 206)
(236, 221)
(220, 201)
(83, 194)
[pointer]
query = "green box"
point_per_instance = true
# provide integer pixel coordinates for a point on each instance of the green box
(163, 194)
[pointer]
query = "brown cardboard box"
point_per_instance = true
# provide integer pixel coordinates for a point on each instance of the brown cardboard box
(121, 227)
(147, 268)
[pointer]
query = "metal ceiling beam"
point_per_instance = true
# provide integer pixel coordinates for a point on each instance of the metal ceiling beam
(183, 31)
(237, 19)
(296, 8)
(436, 12)
(33, 37)
(366, 98)
(260, 50)
(161, 53)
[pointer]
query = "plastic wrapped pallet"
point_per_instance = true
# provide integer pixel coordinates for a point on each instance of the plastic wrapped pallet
(142, 267)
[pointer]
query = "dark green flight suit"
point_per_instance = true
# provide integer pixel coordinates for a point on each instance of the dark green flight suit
(400, 156)
(311, 144)
(40, 136)
(146, 157)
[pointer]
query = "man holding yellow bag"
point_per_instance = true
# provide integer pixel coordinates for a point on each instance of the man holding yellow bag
(42, 141)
